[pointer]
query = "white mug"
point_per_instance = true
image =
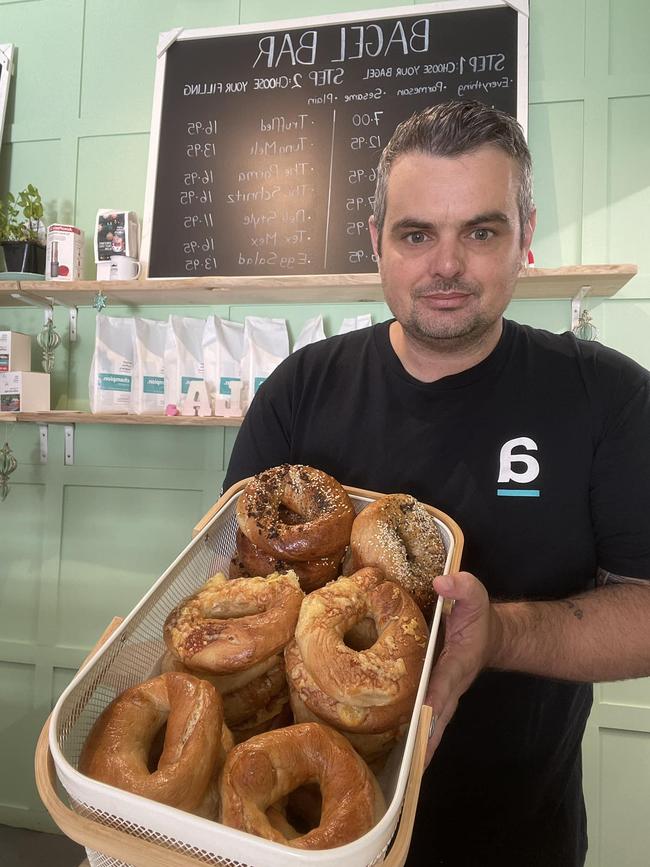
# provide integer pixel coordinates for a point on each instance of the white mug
(124, 268)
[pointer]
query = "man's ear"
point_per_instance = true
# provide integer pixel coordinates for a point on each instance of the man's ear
(374, 236)
(529, 231)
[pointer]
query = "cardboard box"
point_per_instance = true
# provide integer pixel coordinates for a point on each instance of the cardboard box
(15, 351)
(64, 253)
(24, 392)
(116, 234)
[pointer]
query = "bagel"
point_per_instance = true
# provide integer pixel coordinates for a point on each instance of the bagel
(118, 749)
(250, 560)
(397, 534)
(243, 703)
(276, 714)
(373, 719)
(369, 746)
(324, 513)
(223, 683)
(265, 769)
(228, 626)
(387, 672)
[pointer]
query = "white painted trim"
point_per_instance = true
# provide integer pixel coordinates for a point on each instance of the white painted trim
(6, 67)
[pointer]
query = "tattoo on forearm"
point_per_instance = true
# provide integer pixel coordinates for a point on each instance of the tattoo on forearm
(577, 611)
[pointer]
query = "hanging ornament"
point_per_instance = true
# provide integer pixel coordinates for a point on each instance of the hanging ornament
(48, 340)
(8, 464)
(585, 328)
(99, 301)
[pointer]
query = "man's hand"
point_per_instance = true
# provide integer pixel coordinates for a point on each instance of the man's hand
(469, 638)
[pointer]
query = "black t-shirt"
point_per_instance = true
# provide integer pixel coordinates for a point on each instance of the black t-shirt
(541, 453)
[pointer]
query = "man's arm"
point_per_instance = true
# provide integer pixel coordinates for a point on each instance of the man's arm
(595, 636)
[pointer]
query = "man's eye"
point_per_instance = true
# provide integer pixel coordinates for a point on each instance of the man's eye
(416, 237)
(481, 234)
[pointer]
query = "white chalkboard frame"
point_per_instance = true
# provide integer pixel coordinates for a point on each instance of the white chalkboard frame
(166, 39)
(6, 69)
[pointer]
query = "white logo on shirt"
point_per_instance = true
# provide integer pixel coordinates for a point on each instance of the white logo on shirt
(508, 461)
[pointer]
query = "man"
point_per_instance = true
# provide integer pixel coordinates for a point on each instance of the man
(536, 444)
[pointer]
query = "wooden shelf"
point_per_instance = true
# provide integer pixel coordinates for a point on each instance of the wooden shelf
(65, 417)
(602, 280)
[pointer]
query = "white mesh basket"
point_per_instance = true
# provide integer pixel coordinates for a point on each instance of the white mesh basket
(132, 654)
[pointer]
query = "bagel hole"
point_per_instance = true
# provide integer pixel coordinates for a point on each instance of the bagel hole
(304, 806)
(362, 635)
(156, 748)
(288, 516)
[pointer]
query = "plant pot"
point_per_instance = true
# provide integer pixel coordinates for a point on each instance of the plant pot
(24, 256)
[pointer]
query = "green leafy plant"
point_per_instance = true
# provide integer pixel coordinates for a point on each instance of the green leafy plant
(20, 216)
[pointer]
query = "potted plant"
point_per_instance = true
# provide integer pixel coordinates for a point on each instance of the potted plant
(20, 231)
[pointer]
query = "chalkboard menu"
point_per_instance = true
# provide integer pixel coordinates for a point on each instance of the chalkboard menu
(266, 138)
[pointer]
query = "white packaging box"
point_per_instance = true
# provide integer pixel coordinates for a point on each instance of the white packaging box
(116, 234)
(64, 253)
(24, 392)
(15, 351)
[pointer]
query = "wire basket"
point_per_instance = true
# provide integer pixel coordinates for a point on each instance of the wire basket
(131, 655)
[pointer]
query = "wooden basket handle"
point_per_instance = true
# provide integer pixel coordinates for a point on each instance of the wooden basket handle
(402, 840)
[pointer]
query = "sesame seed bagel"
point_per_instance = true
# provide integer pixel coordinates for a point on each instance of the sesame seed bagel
(387, 672)
(325, 513)
(397, 534)
(231, 625)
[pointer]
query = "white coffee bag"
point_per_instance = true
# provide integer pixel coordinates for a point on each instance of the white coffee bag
(110, 383)
(149, 367)
(354, 323)
(312, 331)
(183, 357)
(223, 350)
(266, 344)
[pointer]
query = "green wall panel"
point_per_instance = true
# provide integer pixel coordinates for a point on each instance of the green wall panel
(124, 88)
(116, 543)
(628, 181)
(556, 142)
(18, 724)
(21, 544)
(628, 38)
(556, 24)
(624, 800)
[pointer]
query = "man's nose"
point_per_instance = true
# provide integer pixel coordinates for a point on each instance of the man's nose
(447, 258)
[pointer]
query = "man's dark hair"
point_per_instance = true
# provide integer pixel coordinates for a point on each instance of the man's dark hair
(451, 129)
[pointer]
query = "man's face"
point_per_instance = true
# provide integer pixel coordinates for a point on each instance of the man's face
(451, 245)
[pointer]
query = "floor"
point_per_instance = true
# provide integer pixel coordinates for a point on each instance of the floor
(22, 848)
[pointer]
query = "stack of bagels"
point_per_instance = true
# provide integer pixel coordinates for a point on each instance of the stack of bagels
(287, 672)
(233, 634)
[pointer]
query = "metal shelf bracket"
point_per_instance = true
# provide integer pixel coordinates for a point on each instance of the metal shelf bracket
(69, 445)
(47, 303)
(576, 306)
(42, 439)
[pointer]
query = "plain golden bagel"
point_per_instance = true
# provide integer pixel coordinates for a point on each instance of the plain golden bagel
(118, 750)
(265, 769)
